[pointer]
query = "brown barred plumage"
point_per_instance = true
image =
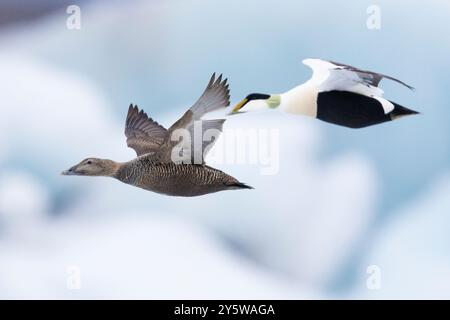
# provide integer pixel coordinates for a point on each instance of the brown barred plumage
(154, 169)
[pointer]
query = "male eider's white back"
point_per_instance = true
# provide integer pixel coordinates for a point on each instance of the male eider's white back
(303, 98)
(328, 77)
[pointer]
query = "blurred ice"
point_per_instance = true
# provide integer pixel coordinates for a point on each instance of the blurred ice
(49, 119)
(24, 201)
(307, 204)
(65, 96)
(313, 211)
(412, 251)
(132, 257)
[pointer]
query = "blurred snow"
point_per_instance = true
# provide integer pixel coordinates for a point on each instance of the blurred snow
(308, 204)
(49, 119)
(132, 256)
(65, 96)
(23, 200)
(313, 211)
(412, 250)
(43, 103)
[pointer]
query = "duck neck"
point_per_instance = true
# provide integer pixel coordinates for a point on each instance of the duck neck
(127, 172)
(274, 101)
(301, 100)
(111, 168)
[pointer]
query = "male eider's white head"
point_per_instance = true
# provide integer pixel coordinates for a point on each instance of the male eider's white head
(257, 102)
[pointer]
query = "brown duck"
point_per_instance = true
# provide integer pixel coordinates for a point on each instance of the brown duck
(168, 162)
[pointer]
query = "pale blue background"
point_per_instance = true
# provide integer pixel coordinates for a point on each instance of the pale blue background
(159, 54)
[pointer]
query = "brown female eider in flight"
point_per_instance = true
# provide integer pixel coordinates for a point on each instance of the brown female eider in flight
(166, 164)
(336, 93)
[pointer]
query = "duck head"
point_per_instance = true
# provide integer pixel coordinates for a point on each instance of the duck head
(93, 167)
(257, 102)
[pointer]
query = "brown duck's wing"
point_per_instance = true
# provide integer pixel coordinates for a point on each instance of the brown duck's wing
(215, 96)
(191, 145)
(143, 134)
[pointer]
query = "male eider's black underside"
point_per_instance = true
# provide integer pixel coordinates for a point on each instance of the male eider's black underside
(355, 110)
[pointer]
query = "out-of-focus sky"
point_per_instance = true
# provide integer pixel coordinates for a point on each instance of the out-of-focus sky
(343, 199)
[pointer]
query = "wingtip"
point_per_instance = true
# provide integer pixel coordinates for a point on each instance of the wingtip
(406, 85)
(130, 111)
(219, 79)
(212, 80)
(133, 113)
(216, 81)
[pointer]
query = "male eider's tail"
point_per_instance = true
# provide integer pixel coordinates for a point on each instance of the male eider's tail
(400, 111)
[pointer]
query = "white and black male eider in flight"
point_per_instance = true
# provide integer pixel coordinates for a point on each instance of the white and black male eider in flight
(336, 93)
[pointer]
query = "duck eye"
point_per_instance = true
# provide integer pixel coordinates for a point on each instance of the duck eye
(89, 162)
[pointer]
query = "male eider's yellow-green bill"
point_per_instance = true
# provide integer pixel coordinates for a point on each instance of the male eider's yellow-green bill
(154, 169)
(336, 93)
(239, 106)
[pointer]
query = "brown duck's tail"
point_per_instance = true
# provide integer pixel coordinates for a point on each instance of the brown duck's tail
(238, 185)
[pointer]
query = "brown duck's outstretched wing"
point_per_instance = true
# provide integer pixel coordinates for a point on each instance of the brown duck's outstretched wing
(215, 96)
(143, 134)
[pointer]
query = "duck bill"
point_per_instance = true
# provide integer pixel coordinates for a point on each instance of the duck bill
(69, 172)
(239, 106)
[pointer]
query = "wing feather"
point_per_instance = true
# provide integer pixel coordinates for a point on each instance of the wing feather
(323, 69)
(370, 77)
(215, 96)
(143, 134)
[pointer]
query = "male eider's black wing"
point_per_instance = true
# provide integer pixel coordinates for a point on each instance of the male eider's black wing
(143, 134)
